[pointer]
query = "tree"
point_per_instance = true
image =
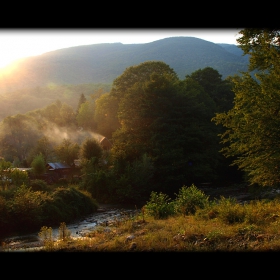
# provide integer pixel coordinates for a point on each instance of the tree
(68, 117)
(67, 151)
(91, 148)
(52, 112)
(18, 135)
(108, 106)
(85, 117)
(81, 101)
(170, 122)
(219, 90)
(43, 147)
(38, 165)
(252, 125)
(105, 115)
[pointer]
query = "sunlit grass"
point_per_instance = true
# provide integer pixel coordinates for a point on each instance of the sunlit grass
(217, 225)
(189, 233)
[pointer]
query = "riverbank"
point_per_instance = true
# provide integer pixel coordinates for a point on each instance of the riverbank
(202, 232)
(105, 214)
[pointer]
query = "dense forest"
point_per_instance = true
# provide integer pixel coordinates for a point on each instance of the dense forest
(22, 101)
(160, 128)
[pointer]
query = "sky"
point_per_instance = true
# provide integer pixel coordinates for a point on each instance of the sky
(20, 43)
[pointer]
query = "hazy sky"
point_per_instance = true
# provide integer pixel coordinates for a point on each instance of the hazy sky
(19, 43)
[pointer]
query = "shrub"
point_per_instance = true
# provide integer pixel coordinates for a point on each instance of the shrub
(189, 200)
(229, 211)
(25, 208)
(159, 206)
(39, 185)
(19, 177)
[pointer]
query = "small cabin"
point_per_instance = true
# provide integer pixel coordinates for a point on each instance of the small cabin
(105, 143)
(60, 169)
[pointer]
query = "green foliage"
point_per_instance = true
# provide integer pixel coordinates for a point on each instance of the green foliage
(85, 116)
(18, 177)
(171, 124)
(67, 151)
(44, 147)
(133, 183)
(230, 211)
(4, 165)
(39, 185)
(219, 90)
(67, 116)
(105, 115)
(81, 101)
(69, 203)
(91, 148)
(18, 135)
(38, 165)
(251, 135)
(189, 199)
(24, 210)
(161, 132)
(159, 206)
(5, 170)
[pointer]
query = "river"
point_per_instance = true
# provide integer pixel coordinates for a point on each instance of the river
(79, 228)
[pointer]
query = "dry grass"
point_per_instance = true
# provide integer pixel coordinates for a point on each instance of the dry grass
(178, 234)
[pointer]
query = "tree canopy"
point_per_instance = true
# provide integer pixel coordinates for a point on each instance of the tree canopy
(251, 133)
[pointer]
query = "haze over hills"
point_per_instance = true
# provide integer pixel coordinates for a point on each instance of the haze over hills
(102, 63)
(66, 73)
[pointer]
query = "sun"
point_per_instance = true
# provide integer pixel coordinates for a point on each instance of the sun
(6, 62)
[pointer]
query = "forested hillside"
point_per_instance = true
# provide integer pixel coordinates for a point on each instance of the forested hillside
(159, 126)
(24, 100)
(102, 63)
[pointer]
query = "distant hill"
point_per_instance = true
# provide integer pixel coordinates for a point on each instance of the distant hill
(102, 63)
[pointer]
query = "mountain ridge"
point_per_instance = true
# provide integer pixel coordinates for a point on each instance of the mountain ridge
(102, 63)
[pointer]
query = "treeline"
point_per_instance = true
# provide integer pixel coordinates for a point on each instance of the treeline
(27, 99)
(160, 128)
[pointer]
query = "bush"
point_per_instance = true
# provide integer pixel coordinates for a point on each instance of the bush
(229, 211)
(189, 200)
(39, 185)
(25, 208)
(159, 206)
(19, 177)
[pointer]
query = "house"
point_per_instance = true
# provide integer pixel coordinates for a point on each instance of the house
(105, 143)
(58, 169)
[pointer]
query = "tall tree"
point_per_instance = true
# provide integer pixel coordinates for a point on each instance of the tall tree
(105, 115)
(18, 135)
(91, 148)
(38, 165)
(170, 122)
(43, 147)
(68, 117)
(85, 117)
(67, 151)
(81, 101)
(252, 125)
(219, 90)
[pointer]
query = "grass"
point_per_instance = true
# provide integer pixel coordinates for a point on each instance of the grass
(222, 225)
(182, 233)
